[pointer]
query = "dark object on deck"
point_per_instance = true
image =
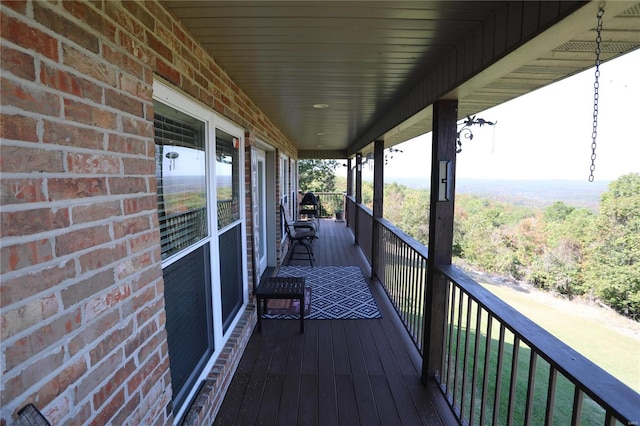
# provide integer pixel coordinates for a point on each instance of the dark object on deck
(298, 237)
(29, 415)
(280, 288)
(310, 206)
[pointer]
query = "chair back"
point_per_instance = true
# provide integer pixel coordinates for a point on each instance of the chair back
(283, 213)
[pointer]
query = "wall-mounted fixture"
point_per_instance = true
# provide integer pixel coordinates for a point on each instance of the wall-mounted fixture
(465, 131)
(389, 155)
(444, 181)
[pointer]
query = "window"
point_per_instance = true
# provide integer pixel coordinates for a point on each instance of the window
(181, 174)
(181, 177)
(227, 178)
(199, 171)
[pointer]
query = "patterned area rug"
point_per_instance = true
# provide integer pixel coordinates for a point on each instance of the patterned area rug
(337, 292)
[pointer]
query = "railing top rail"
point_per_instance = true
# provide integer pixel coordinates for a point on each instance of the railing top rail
(601, 386)
(405, 238)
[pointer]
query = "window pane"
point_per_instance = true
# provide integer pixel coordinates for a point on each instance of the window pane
(227, 178)
(181, 175)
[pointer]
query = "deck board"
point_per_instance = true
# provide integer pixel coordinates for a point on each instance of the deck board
(355, 372)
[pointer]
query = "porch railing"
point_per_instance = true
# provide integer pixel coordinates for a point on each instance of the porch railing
(330, 202)
(498, 366)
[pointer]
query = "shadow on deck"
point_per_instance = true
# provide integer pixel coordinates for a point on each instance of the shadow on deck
(351, 372)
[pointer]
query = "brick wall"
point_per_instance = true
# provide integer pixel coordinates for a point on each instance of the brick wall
(82, 308)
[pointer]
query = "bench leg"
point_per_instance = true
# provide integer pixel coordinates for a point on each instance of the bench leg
(259, 307)
(302, 310)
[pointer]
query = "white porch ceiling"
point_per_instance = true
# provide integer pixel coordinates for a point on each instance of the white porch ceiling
(379, 65)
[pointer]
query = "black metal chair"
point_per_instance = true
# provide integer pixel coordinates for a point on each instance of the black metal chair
(298, 237)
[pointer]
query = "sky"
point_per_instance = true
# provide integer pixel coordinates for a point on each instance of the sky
(547, 134)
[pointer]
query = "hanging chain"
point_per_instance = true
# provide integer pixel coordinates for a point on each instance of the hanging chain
(596, 94)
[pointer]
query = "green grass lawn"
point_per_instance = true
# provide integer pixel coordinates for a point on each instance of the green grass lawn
(609, 340)
(596, 333)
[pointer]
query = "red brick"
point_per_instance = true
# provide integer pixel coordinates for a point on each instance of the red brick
(104, 393)
(109, 410)
(31, 375)
(155, 376)
(87, 288)
(137, 340)
(24, 349)
(28, 37)
(122, 102)
(89, 114)
(69, 83)
(127, 58)
(88, 65)
(19, 191)
(16, 320)
(98, 375)
(16, 159)
(143, 373)
(18, 63)
(29, 222)
(19, 6)
(137, 205)
(166, 44)
(136, 88)
(144, 241)
(61, 25)
(133, 265)
(70, 135)
(88, 335)
(74, 241)
(29, 98)
(127, 145)
(106, 302)
(140, 13)
(168, 72)
(48, 392)
(138, 166)
(101, 257)
(124, 19)
(95, 211)
(22, 255)
(92, 164)
(93, 19)
(148, 277)
(81, 415)
(69, 189)
(152, 346)
(18, 127)
(108, 343)
(127, 185)
(130, 226)
(142, 128)
(23, 286)
(126, 413)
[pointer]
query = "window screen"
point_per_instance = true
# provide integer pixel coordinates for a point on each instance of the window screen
(227, 178)
(181, 176)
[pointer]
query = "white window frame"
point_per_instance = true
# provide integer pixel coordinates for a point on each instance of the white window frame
(170, 97)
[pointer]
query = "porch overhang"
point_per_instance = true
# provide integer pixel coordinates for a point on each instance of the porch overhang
(377, 67)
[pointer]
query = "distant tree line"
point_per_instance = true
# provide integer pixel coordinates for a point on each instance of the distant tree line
(570, 251)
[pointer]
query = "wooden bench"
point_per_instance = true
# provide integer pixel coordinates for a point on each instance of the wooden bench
(280, 288)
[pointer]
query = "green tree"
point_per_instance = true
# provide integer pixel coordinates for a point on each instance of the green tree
(317, 175)
(613, 271)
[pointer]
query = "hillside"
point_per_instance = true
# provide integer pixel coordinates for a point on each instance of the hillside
(533, 193)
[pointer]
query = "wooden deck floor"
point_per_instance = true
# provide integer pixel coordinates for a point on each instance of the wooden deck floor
(351, 372)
